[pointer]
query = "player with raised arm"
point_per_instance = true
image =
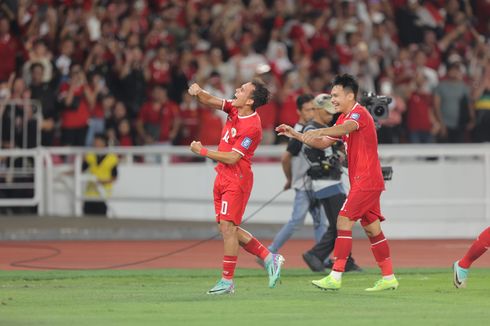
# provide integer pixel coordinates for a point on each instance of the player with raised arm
(240, 137)
(355, 127)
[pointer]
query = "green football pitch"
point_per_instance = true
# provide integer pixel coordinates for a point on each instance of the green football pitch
(177, 297)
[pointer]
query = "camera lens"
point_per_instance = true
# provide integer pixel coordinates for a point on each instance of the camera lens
(379, 111)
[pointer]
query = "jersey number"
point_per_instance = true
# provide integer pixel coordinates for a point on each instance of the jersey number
(226, 138)
(224, 207)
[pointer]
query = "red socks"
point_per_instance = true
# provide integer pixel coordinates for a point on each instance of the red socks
(342, 249)
(381, 252)
(256, 248)
(229, 264)
(477, 249)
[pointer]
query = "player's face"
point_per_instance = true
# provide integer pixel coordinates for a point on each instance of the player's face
(243, 95)
(307, 111)
(341, 100)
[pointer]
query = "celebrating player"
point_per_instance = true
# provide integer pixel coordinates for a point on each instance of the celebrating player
(355, 127)
(233, 184)
(462, 266)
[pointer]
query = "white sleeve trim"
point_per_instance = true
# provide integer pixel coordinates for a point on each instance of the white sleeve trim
(223, 105)
(357, 123)
(236, 150)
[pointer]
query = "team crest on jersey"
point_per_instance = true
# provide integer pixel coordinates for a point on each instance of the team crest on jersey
(233, 132)
(355, 116)
(246, 142)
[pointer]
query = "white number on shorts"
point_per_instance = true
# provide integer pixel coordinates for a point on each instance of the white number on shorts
(224, 207)
(343, 206)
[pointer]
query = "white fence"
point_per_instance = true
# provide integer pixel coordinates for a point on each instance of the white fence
(437, 191)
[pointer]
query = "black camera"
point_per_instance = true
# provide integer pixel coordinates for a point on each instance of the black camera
(377, 105)
(322, 166)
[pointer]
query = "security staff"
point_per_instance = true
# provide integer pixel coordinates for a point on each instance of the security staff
(103, 169)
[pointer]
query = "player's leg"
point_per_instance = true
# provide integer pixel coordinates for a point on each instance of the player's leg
(229, 232)
(371, 223)
(253, 246)
(236, 201)
(462, 266)
(300, 208)
(354, 207)
(273, 262)
(319, 253)
(381, 252)
(342, 249)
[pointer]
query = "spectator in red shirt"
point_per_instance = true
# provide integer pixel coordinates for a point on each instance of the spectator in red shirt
(158, 70)
(421, 121)
(95, 92)
(158, 119)
(74, 108)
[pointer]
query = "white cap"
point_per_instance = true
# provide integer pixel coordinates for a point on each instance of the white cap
(324, 101)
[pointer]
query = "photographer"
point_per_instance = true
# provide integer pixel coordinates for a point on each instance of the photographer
(295, 168)
(325, 172)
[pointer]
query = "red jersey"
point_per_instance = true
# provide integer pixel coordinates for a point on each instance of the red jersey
(242, 135)
(362, 151)
(418, 112)
(77, 115)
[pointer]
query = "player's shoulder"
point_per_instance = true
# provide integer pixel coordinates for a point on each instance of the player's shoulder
(359, 109)
(359, 112)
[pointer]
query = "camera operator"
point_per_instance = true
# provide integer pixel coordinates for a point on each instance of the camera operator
(325, 176)
(295, 167)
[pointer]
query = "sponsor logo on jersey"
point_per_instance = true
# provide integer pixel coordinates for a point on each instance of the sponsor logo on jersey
(233, 132)
(246, 142)
(355, 116)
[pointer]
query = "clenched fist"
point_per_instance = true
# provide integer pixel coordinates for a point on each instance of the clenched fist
(194, 89)
(196, 145)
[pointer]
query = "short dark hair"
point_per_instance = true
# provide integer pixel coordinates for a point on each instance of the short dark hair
(101, 136)
(348, 83)
(260, 95)
(302, 99)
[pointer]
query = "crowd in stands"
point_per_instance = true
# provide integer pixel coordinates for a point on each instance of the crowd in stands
(122, 67)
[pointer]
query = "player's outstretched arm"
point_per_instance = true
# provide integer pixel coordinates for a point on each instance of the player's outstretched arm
(223, 157)
(205, 98)
(314, 140)
(335, 131)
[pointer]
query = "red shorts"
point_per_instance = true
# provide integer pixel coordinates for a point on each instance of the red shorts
(363, 205)
(230, 200)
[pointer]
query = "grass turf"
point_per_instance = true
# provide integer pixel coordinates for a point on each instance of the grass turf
(177, 297)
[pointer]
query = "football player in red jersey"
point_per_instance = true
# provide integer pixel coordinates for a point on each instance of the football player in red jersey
(240, 137)
(355, 127)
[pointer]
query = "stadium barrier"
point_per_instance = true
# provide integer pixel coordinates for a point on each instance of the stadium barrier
(437, 190)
